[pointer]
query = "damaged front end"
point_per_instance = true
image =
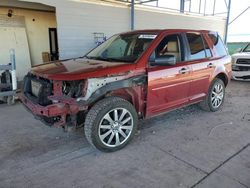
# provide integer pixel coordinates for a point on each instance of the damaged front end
(51, 101)
(65, 103)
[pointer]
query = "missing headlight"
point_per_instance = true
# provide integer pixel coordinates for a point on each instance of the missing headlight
(72, 88)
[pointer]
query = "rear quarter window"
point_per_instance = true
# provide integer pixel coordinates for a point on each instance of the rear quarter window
(218, 45)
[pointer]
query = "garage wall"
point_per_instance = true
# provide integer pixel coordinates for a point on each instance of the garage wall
(37, 30)
(77, 20)
(75, 28)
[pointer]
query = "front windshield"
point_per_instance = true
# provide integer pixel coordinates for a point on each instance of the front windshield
(247, 48)
(123, 47)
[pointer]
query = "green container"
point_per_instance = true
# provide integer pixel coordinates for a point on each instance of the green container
(235, 46)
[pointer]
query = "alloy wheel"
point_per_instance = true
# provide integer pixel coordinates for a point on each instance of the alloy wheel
(115, 127)
(217, 95)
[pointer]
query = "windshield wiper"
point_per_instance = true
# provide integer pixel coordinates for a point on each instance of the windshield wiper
(85, 56)
(108, 59)
(105, 59)
(119, 60)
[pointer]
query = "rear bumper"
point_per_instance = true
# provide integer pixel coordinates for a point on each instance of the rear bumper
(57, 112)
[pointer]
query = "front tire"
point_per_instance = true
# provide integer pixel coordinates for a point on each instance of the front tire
(110, 124)
(215, 98)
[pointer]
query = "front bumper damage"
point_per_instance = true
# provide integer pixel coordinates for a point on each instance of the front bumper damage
(53, 107)
(59, 113)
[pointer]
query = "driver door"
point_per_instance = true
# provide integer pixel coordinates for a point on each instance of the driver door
(168, 85)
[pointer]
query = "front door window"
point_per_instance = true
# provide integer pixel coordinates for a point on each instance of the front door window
(170, 45)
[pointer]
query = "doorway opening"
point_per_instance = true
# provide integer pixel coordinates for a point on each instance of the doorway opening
(53, 42)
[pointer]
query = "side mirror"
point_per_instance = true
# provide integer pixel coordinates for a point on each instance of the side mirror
(164, 60)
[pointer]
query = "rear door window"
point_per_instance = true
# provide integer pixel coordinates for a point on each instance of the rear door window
(196, 45)
(218, 44)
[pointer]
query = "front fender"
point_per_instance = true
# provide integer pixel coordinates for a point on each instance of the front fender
(94, 94)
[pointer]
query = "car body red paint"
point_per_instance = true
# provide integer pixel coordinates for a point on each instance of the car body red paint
(165, 88)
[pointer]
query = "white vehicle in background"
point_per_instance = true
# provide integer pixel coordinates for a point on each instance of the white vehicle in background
(241, 64)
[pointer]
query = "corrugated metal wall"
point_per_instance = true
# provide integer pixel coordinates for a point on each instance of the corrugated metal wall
(153, 19)
(77, 20)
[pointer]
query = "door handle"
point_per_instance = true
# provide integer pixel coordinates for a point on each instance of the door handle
(210, 65)
(183, 70)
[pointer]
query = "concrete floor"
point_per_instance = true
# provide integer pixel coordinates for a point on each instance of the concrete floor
(184, 148)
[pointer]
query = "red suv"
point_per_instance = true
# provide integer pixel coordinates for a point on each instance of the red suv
(130, 76)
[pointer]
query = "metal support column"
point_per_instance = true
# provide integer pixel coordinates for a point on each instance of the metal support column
(214, 7)
(200, 7)
(132, 14)
(227, 23)
(182, 6)
(190, 5)
(205, 4)
(13, 69)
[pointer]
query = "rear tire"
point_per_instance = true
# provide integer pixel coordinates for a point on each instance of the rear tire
(215, 98)
(111, 124)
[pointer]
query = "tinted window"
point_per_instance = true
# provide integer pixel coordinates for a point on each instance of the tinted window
(218, 44)
(170, 45)
(196, 45)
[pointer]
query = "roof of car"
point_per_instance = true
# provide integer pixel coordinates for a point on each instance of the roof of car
(157, 31)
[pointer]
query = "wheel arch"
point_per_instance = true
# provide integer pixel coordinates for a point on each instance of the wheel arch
(223, 77)
(134, 95)
(131, 90)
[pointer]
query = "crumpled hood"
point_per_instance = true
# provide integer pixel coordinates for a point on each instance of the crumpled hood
(75, 69)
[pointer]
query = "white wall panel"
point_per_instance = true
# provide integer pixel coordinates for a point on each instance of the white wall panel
(77, 20)
(148, 19)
